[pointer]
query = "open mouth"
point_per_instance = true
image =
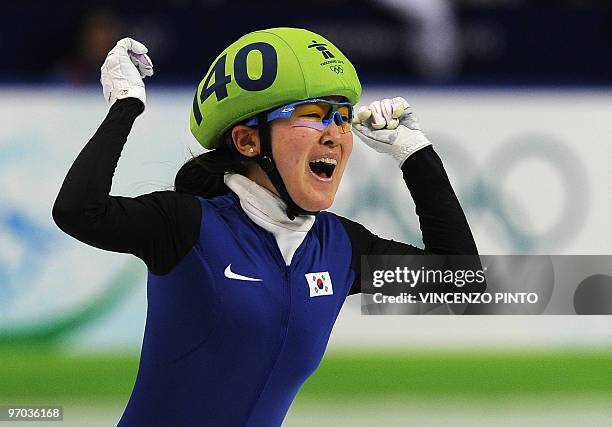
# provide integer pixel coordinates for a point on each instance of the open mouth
(323, 167)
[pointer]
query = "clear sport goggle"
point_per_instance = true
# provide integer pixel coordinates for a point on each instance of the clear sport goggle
(313, 113)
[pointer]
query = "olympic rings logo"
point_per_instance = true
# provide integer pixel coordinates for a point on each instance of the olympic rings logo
(485, 192)
(337, 69)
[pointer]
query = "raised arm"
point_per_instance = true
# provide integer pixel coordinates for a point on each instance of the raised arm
(161, 227)
(390, 127)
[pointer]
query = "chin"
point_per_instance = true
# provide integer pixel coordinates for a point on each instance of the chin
(316, 204)
(314, 194)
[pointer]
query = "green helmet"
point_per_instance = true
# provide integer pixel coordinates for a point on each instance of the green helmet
(266, 69)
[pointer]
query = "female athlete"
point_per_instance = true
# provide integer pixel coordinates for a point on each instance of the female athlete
(246, 271)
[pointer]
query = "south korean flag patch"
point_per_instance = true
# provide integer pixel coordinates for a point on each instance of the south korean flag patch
(319, 284)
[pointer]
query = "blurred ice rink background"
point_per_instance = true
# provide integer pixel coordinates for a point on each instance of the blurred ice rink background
(514, 96)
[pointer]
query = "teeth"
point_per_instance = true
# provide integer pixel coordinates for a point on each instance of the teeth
(326, 160)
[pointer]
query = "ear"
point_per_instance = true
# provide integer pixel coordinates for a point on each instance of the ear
(246, 140)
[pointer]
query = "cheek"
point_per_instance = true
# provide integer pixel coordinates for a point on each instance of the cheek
(290, 148)
(348, 146)
(347, 149)
(288, 164)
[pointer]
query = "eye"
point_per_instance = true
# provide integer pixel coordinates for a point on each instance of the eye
(311, 115)
(345, 114)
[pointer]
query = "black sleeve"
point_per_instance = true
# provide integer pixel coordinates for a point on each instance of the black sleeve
(159, 228)
(443, 224)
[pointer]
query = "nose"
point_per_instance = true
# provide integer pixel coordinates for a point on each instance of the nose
(331, 135)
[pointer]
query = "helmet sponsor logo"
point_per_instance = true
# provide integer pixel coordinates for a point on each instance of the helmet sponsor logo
(328, 56)
(321, 47)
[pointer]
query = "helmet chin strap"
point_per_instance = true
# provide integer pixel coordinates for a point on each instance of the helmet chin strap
(266, 162)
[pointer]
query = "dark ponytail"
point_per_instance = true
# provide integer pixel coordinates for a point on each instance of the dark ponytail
(203, 175)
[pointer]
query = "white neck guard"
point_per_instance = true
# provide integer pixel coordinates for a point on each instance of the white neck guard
(268, 211)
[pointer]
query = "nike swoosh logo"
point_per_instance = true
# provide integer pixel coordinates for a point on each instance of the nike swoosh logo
(231, 275)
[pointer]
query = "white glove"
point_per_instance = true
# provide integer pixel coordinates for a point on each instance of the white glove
(390, 127)
(123, 70)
